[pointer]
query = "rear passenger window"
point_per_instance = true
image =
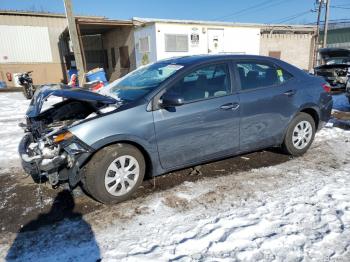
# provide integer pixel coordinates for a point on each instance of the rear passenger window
(206, 82)
(256, 75)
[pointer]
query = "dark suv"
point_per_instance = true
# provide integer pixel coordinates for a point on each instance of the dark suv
(169, 115)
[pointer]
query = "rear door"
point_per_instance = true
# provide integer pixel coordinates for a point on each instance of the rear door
(267, 102)
(206, 126)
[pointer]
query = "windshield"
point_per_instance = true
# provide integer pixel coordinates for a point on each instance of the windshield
(142, 81)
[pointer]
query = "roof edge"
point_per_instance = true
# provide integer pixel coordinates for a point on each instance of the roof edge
(44, 14)
(141, 20)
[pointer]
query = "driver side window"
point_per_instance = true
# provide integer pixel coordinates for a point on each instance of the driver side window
(204, 83)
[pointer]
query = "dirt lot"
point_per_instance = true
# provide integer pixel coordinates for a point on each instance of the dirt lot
(23, 201)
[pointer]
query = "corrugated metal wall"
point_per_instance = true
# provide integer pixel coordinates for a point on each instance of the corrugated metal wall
(340, 35)
(24, 44)
(32, 42)
(54, 25)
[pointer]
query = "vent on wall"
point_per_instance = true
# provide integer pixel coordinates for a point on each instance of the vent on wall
(176, 43)
(275, 54)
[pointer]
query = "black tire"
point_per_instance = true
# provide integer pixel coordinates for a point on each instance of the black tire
(95, 171)
(288, 145)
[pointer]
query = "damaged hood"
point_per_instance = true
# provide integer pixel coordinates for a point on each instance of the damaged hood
(334, 58)
(332, 66)
(334, 52)
(65, 92)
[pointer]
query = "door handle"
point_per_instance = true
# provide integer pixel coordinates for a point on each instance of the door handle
(232, 106)
(290, 93)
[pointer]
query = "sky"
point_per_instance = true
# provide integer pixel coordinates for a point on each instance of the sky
(246, 11)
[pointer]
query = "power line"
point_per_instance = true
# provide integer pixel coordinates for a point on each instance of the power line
(339, 7)
(242, 10)
(258, 7)
(292, 17)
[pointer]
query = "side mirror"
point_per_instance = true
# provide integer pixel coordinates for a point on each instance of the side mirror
(171, 100)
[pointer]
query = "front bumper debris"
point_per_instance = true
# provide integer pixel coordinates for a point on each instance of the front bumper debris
(55, 163)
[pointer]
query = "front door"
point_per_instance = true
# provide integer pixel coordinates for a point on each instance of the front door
(267, 102)
(215, 41)
(206, 126)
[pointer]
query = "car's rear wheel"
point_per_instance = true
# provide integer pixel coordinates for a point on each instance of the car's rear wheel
(114, 173)
(300, 134)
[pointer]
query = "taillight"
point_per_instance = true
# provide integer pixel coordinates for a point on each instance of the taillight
(326, 88)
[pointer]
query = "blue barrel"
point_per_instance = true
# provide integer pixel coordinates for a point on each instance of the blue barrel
(97, 74)
(3, 84)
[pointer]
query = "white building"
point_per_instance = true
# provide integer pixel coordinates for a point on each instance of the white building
(157, 39)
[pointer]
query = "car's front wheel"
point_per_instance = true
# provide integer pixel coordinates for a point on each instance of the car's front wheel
(114, 173)
(300, 134)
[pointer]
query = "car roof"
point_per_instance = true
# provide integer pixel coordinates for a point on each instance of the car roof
(195, 59)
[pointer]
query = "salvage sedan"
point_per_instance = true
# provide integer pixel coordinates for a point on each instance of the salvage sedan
(170, 115)
(335, 67)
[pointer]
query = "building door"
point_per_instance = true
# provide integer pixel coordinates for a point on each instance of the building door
(215, 41)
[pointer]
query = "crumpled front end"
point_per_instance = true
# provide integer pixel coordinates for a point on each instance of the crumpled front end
(336, 75)
(48, 150)
(44, 159)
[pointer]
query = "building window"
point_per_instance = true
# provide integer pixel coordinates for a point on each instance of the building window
(113, 57)
(176, 43)
(144, 45)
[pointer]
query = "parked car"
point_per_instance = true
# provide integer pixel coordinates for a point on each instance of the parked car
(335, 67)
(169, 115)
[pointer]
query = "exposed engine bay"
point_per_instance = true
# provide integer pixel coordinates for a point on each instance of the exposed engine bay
(48, 150)
(336, 75)
(335, 68)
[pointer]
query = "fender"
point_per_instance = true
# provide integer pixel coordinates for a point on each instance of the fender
(148, 147)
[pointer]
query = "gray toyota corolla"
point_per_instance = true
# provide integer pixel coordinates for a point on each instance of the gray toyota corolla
(169, 115)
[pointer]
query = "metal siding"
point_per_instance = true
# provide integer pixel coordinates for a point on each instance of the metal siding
(55, 25)
(24, 44)
(337, 36)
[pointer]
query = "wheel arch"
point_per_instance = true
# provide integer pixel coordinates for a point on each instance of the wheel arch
(308, 109)
(144, 149)
(313, 112)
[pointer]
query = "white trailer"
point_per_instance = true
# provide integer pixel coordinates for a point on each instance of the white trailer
(158, 39)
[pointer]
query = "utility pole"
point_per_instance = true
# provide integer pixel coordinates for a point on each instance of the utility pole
(73, 34)
(317, 37)
(326, 23)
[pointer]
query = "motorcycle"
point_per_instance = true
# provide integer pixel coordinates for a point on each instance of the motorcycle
(26, 81)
